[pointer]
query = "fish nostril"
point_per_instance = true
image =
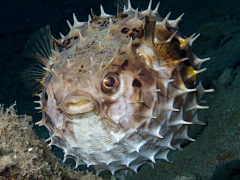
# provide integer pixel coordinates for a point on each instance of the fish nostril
(136, 83)
(125, 63)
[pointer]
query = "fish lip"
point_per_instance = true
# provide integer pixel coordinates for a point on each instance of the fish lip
(79, 103)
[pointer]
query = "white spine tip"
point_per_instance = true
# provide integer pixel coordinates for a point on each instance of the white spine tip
(110, 23)
(48, 139)
(108, 34)
(102, 10)
(129, 6)
(209, 90)
(69, 25)
(130, 43)
(149, 10)
(193, 39)
(136, 16)
(103, 14)
(155, 11)
(62, 36)
(39, 122)
(124, 8)
(89, 18)
(75, 21)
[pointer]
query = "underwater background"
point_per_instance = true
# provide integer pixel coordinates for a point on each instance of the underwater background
(216, 152)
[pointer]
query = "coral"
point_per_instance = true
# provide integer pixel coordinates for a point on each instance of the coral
(24, 156)
(227, 77)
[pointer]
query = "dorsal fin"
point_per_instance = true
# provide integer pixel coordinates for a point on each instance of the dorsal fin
(38, 48)
(169, 54)
(149, 29)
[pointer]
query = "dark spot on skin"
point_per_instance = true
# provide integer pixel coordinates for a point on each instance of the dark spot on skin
(124, 15)
(68, 43)
(81, 66)
(136, 83)
(122, 52)
(46, 97)
(126, 36)
(75, 37)
(68, 39)
(124, 30)
(136, 45)
(79, 70)
(133, 35)
(125, 63)
(105, 23)
(99, 22)
(91, 43)
(135, 30)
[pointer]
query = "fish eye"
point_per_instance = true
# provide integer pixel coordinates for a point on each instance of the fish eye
(110, 83)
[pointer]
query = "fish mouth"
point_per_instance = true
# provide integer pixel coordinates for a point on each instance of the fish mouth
(79, 104)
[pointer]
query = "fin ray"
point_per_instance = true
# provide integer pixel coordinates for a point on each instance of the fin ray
(39, 47)
(33, 76)
(119, 4)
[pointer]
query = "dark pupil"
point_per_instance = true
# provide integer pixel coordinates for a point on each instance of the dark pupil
(110, 82)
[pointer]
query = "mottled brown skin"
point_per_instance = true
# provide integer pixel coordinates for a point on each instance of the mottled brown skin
(120, 91)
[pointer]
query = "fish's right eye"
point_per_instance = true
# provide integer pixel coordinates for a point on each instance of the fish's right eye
(110, 83)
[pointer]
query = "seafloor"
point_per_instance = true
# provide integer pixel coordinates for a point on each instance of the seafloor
(216, 152)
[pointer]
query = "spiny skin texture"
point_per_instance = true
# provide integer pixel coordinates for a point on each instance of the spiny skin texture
(118, 91)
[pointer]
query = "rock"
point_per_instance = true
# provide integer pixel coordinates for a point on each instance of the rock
(227, 77)
(187, 177)
(227, 171)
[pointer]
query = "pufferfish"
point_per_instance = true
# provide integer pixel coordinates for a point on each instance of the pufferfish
(118, 91)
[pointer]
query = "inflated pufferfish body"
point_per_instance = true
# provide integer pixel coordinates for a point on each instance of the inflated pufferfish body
(118, 91)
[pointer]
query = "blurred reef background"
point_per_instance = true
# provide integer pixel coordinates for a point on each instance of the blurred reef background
(216, 153)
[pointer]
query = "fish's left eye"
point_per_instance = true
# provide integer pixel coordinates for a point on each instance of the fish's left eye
(110, 83)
